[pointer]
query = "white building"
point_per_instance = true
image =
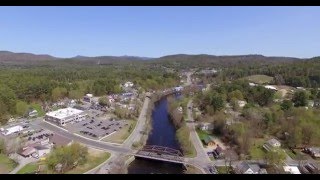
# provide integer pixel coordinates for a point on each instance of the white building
(242, 103)
(271, 144)
(291, 169)
(64, 116)
(270, 87)
(11, 130)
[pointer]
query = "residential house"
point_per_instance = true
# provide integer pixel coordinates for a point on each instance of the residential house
(206, 126)
(208, 141)
(88, 98)
(271, 144)
(218, 152)
(270, 87)
(246, 168)
(314, 151)
(309, 168)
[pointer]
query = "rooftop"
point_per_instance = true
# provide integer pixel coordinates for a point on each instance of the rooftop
(63, 113)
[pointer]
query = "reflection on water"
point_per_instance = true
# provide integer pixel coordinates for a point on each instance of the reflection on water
(163, 134)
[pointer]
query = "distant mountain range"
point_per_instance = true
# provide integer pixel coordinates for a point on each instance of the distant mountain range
(18, 57)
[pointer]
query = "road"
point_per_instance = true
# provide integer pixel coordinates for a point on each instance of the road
(136, 134)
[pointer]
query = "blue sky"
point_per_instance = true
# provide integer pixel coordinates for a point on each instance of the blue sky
(158, 31)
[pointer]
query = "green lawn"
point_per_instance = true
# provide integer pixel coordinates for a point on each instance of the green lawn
(37, 107)
(256, 151)
(6, 164)
(29, 168)
(259, 79)
(93, 161)
(222, 169)
(202, 134)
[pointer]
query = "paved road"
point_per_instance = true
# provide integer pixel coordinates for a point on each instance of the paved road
(136, 134)
(92, 143)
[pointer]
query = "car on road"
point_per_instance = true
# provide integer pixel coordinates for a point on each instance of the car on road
(212, 170)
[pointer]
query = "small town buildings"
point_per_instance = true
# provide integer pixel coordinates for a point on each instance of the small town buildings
(206, 126)
(11, 130)
(314, 151)
(247, 168)
(270, 87)
(218, 152)
(271, 144)
(178, 89)
(291, 169)
(63, 116)
(252, 84)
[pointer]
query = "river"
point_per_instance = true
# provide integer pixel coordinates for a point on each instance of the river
(162, 134)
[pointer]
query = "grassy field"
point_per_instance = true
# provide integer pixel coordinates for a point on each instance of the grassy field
(259, 79)
(222, 169)
(123, 134)
(95, 158)
(256, 150)
(202, 135)
(6, 164)
(29, 168)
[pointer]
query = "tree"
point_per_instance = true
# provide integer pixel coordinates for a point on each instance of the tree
(103, 101)
(21, 108)
(275, 156)
(75, 94)
(58, 93)
(219, 123)
(216, 101)
(2, 147)
(286, 105)
(237, 94)
(300, 98)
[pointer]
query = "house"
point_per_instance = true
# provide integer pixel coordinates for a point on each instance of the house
(11, 130)
(252, 84)
(208, 141)
(178, 89)
(41, 151)
(271, 144)
(58, 140)
(246, 168)
(206, 126)
(314, 151)
(218, 152)
(309, 168)
(27, 151)
(291, 169)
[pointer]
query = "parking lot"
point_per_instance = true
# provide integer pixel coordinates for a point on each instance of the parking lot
(96, 128)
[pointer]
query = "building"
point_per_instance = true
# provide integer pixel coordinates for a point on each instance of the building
(11, 130)
(314, 151)
(41, 151)
(252, 84)
(271, 144)
(246, 168)
(270, 87)
(206, 126)
(63, 116)
(178, 89)
(291, 169)
(88, 98)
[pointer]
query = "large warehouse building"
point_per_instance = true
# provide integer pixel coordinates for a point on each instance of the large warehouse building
(63, 116)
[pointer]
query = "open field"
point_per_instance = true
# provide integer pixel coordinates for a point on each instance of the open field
(259, 79)
(256, 150)
(29, 168)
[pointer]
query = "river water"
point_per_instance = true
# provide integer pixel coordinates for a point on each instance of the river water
(162, 134)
